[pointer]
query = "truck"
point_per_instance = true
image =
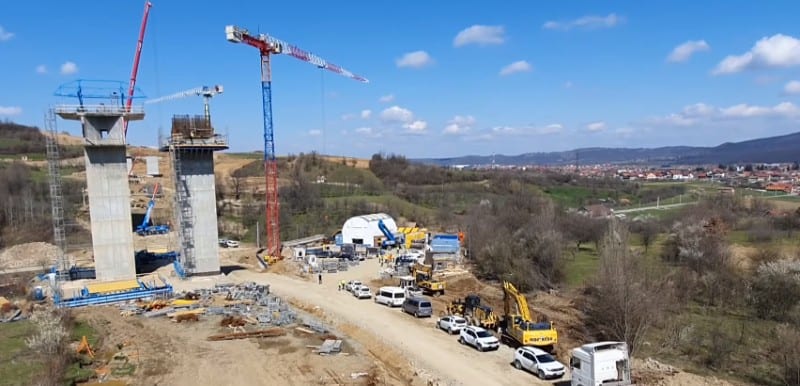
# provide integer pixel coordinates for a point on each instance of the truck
(601, 364)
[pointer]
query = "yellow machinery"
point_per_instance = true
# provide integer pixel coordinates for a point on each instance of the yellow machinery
(413, 234)
(519, 328)
(425, 281)
(474, 312)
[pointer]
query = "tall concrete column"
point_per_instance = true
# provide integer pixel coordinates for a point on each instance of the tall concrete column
(107, 188)
(197, 167)
(192, 144)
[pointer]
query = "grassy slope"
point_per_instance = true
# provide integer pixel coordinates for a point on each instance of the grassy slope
(18, 366)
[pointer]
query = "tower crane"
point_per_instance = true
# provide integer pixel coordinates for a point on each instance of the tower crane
(205, 91)
(267, 46)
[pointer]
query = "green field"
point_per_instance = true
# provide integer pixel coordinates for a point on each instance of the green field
(18, 365)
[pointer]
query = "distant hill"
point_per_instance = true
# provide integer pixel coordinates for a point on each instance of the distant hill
(785, 148)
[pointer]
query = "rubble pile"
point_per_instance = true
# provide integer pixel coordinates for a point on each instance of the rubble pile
(247, 303)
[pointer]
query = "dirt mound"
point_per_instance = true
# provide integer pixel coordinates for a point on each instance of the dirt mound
(653, 372)
(28, 255)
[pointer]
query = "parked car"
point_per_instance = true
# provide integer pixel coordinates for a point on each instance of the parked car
(362, 292)
(351, 285)
(223, 243)
(538, 362)
(418, 306)
(232, 244)
(479, 338)
(451, 323)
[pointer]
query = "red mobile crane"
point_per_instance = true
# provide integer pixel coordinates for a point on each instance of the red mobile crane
(136, 57)
(268, 45)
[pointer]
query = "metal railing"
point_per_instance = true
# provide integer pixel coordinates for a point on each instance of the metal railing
(99, 108)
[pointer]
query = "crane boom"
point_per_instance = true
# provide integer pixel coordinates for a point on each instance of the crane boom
(267, 46)
(136, 57)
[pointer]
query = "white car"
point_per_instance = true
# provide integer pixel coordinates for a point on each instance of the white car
(352, 285)
(479, 338)
(362, 292)
(232, 243)
(538, 362)
(451, 323)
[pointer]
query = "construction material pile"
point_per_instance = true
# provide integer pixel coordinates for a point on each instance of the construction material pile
(240, 304)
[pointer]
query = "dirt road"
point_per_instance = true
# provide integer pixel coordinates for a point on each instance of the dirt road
(435, 354)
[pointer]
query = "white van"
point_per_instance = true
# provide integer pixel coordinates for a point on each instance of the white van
(390, 296)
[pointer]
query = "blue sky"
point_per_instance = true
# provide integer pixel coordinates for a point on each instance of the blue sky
(446, 78)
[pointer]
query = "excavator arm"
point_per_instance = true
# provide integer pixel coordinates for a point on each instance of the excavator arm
(512, 294)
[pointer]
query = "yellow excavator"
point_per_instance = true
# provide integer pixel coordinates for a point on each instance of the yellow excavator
(519, 328)
(425, 281)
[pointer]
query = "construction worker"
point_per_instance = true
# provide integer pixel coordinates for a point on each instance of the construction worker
(319, 277)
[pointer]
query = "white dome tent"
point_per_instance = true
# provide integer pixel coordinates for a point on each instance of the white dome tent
(364, 229)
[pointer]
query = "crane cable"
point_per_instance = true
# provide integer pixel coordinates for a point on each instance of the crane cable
(154, 38)
(322, 104)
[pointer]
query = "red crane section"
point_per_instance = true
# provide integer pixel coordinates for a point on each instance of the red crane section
(136, 57)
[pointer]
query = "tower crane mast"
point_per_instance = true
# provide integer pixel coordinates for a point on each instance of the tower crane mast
(267, 46)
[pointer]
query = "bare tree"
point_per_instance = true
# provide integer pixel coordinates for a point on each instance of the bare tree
(626, 298)
(648, 231)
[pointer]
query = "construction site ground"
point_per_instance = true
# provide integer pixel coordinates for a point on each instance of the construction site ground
(392, 347)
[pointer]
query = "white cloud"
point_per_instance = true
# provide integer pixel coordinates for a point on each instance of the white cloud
(505, 130)
(348, 117)
(459, 125)
(315, 132)
(416, 59)
(596, 126)
(586, 22)
(700, 114)
(551, 129)
(69, 68)
(5, 35)
(368, 132)
(792, 87)
(684, 51)
(365, 114)
(417, 127)
(775, 51)
(480, 35)
(10, 110)
(518, 66)
(397, 114)
(386, 98)
(41, 69)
